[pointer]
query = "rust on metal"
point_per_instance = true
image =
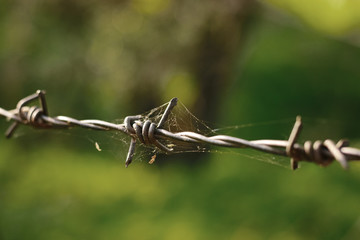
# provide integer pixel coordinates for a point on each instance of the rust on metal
(148, 133)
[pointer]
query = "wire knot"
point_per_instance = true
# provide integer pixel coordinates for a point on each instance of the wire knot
(320, 152)
(144, 131)
(151, 134)
(325, 152)
(29, 115)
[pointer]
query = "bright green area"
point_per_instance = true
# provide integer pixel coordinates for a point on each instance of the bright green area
(334, 17)
(58, 194)
(110, 60)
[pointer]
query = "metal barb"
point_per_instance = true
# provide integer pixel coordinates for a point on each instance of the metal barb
(28, 115)
(145, 132)
(131, 152)
(291, 142)
(167, 111)
(10, 131)
(148, 133)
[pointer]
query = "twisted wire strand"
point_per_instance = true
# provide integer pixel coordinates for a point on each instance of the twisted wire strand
(146, 132)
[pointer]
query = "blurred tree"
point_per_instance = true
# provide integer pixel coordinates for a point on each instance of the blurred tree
(120, 52)
(109, 59)
(219, 45)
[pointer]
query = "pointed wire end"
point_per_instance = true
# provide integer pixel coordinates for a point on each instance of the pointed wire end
(343, 161)
(335, 150)
(9, 132)
(173, 101)
(127, 163)
(41, 91)
(344, 164)
(294, 164)
(131, 152)
(298, 122)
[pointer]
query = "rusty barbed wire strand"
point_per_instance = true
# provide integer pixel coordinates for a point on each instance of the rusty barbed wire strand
(146, 132)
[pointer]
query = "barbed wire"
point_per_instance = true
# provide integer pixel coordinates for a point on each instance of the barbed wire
(148, 133)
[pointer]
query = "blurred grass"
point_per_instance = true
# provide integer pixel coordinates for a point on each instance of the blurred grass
(57, 194)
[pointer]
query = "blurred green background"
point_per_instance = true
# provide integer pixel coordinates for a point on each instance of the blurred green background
(231, 63)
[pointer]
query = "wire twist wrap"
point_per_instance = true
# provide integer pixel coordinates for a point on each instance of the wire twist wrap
(148, 133)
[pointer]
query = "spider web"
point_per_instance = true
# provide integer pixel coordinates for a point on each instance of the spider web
(180, 119)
